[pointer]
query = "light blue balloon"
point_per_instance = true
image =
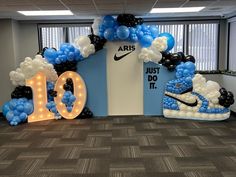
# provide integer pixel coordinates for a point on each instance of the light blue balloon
(109, 34)
(146, 41)
(122, 32)
(139, 34)
(5, 108)
(20, 108)
(50, 54)
(9, 116)
(154, 31)
(69, 108)
(23, 116)
(170, 40)
(72, 98)
(28, 108)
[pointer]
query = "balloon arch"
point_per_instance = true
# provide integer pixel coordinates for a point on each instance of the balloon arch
(189, 96)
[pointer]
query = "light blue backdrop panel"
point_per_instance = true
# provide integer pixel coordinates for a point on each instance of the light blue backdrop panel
(154, 87)
(93, 71)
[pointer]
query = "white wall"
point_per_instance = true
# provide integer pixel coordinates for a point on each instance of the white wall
(7, 59)
(18, 40)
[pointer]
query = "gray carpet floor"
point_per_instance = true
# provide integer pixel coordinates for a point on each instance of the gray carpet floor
(134, 146)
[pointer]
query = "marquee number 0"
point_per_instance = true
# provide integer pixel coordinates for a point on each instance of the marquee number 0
(38, 85)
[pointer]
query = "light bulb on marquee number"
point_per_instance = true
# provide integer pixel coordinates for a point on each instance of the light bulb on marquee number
(39, 87)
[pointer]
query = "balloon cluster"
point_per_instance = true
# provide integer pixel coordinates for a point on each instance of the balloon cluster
(51, 92)
(69, 86)
(226, 98)
(86, 113)
(17, 110)
(153, 53)
(68, 99)
(29, 67)
(125, 27)
(185, 70)
(171, 60)
(129, 20)
(97, 41)
(84, 44)
(51, 106)
(170, 103)
(22, 92)
(180, 85)
(67, 52)
(208, 89)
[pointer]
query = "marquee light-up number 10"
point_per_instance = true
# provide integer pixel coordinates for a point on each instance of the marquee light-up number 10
(39, 87)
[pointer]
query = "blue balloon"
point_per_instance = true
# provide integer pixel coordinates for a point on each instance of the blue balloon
(139, 34)
(132, 30)
(5, 108)
(189, 65)
(57, 60)
(59, 52)
(72, 98)
(146, 41)
(20, 108)
(50, 54)
(54, 110)
(63, 46)
(122, 32)
(23, 116)
(108, 21)
(144, 28)
(69, 108)
(170, 40)
(28, 108)
(9, 115)
(109, 34)
(133, 38)
(154, 31)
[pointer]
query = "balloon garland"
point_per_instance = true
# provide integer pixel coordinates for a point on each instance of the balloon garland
(126, 27)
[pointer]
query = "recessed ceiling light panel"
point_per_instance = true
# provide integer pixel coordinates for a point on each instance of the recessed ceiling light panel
(176, 10)
(46, 13)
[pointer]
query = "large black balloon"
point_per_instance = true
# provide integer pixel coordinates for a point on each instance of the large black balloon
(65, 66)
(86, 113)
(226, 98)
(22, 92)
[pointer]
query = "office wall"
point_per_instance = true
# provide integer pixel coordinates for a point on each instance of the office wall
(18, 40)
(7, 58)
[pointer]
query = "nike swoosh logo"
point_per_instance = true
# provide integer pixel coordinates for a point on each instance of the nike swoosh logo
(186, 103)
(122, 56)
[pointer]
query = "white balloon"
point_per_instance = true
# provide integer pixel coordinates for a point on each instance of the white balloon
(29, 67)
(82, 42)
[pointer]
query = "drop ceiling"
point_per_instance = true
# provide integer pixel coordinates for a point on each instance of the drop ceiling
(88, 9)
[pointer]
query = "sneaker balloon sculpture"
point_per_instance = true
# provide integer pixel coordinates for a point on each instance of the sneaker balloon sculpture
(189, 96)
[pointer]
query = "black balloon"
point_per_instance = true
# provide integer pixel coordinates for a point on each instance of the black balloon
(65, 66)
(226, 98)
(97, 41)
(190, 58)
(69, 86)
(22, 92)
(86, 113)
(129, 20)
(52, 93)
